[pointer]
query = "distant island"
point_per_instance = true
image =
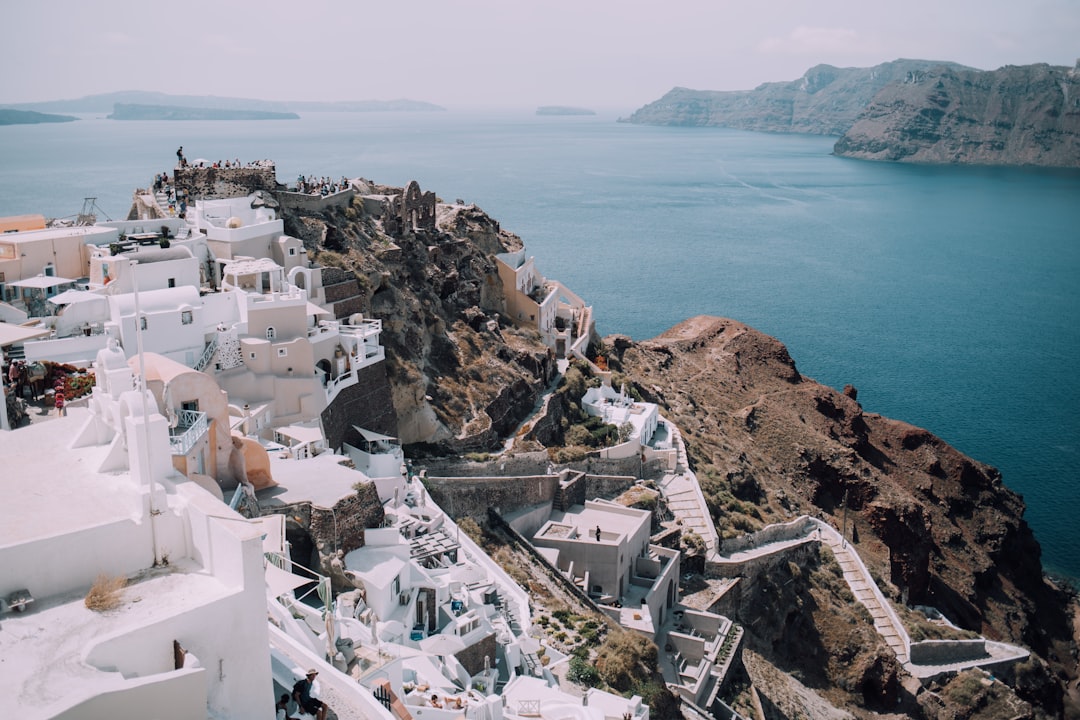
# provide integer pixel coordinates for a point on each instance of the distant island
(563, 110)
(824, 101)
(124, 111)
(1016, 115)
(29, 117)
(104, 103)
(905, 110)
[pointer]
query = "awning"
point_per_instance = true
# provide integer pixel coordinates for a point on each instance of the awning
(282, 582)
(15, 334)
(301, 433)
(74, 296)
(41, 282)
(371, 435)
(313, 309)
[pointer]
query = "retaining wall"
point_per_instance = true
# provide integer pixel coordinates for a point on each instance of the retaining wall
(946, 652)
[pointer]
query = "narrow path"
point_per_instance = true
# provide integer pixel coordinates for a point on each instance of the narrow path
(684, 498)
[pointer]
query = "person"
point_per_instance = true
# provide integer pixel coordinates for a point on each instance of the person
(180, 156)
(302, 695)
(282, 708)
(597, 533)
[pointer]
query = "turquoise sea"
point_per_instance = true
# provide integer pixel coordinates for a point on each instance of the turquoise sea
(948, 296)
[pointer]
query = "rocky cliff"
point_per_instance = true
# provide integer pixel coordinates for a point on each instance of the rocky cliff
(767, 444)
(824, 101)
(1027, 115)
(461, 377)
(937, 527)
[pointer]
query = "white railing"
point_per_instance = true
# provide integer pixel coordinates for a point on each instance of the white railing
(207, 355)
(191, 426)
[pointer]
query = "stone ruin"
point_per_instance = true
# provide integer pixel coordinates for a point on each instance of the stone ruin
(410, 212)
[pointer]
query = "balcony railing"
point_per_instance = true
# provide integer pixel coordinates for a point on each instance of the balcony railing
(190, 427)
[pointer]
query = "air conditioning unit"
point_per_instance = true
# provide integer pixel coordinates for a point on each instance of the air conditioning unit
(403, 598)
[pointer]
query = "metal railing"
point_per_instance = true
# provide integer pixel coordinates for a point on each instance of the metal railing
(190, 427)
(207, 356)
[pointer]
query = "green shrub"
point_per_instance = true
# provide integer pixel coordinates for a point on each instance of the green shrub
(582, 672)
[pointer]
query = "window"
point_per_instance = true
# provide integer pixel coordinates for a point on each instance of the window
(292, 251)
(142, 322)
(186, 317)
(395, 587)
(283, 352)
(172, 282)
(252, 354)
(271, 333)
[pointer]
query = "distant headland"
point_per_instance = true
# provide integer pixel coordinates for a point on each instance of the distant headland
(906, 110)
(29, 117)
(126, 111)
(104, 103)
(563, 110)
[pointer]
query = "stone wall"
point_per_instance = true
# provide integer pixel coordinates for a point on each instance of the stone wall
(340, 290)
(341, 527)
(946, 652)
(306, 202)
(473, 497)
(214, 183)
(531, 463)
(799, 554)
(368, 404)
(625, 466)
(472, 657)
(797, 528)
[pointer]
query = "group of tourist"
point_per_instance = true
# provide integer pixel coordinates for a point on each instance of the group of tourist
(321, 185)
(174, 197)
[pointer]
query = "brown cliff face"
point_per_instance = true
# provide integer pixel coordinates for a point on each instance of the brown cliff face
(1027, 115)
(460, 379)
(767, 444)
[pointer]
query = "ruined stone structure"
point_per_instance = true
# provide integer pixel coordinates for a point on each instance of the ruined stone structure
(410, 212)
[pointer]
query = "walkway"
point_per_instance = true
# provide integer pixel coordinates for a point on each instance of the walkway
(867, 592)
(684, 498)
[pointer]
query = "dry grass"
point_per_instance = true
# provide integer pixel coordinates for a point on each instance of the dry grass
(104, 594)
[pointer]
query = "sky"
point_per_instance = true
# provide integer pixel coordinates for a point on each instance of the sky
(600, 54)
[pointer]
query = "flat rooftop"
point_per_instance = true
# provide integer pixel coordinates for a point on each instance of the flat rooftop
(43, 649)
(322, 480)
(43, 478)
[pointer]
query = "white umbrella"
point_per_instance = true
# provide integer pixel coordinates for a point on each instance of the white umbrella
(442, 644)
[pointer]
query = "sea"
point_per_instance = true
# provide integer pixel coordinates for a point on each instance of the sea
(948, 296)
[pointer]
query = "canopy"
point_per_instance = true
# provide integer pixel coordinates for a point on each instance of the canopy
(442, 644)
(282, 582)
(41, 282)
(74, 296)
(371, 435)
(15, 334)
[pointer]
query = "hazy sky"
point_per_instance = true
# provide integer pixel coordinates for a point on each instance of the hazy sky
(617, 54)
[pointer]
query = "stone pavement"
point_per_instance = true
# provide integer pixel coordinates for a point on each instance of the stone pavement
(684, 498)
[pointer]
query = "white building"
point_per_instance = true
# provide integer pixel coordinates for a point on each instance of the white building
(94, 494)
(619, 409)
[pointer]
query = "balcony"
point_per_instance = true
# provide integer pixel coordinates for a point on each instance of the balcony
(191, 425)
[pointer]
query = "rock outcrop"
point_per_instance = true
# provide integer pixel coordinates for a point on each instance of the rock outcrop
(937, 527)
(460, 379)
(1028, 115)
(824, 101)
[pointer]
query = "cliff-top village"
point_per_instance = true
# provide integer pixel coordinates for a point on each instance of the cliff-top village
(209, 499)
